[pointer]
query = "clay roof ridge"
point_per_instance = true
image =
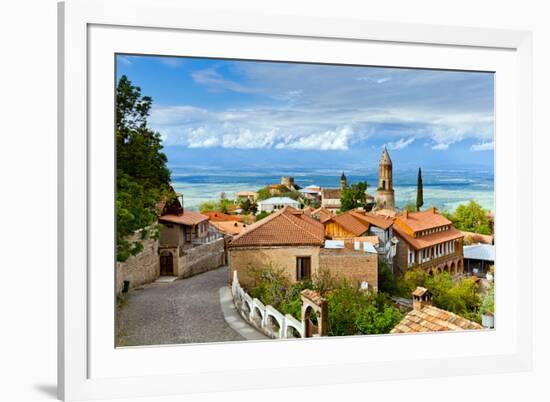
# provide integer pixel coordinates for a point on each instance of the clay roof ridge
(303, 229)
(256, 225)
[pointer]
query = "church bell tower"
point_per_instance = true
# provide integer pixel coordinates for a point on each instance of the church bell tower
(385, 198)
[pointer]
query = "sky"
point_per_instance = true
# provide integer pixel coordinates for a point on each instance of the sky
(260, 113)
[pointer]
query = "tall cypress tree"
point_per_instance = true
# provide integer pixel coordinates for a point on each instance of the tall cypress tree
(419, 191)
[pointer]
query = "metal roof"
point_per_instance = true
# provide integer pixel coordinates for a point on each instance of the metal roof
(485, 252)
(279, 200)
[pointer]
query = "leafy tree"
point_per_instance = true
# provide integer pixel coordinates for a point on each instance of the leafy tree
(386, 280)
(263, 194)
(471, 218)
(209, 206)
(419, 191)
(248, 207)
(354, 196)
(142, 175)
(410, 207)
(458, 296)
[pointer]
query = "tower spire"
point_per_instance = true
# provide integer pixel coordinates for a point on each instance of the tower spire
(385, 195)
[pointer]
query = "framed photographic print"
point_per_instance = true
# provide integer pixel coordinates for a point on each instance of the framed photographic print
(287, 200)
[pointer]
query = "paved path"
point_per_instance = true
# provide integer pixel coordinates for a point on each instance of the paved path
(184, 311)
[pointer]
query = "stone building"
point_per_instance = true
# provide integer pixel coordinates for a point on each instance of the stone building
(385, 197)
(188, 244)
(427, 240)
(294, 243)
(426, 318)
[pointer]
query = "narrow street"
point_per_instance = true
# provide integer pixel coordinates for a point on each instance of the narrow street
(183, 311)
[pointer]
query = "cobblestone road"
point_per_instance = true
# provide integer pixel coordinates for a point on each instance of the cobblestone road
(184, 311)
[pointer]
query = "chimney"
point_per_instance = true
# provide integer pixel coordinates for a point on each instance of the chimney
(405, 214)
(434, 210)
(421, 297)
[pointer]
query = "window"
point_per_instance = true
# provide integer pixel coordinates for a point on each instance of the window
(303, 268)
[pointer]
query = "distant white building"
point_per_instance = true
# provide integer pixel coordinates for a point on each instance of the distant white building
(276, 203)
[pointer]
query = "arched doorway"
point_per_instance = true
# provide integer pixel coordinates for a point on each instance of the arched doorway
(459, 268)
(453, 268)
(167, 264)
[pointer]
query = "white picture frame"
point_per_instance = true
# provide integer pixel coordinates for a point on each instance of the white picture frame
(91, 32)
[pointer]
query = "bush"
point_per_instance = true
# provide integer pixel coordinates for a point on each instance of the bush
(460, 297)
(351, 311)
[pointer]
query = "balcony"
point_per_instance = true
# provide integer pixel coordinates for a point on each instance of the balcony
(435, 261)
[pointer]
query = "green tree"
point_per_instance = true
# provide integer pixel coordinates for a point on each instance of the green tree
(458, 296)
(142, 175)
(354, 196)
(410, 207)
(419, 191)
(248, 207)
(471, 218)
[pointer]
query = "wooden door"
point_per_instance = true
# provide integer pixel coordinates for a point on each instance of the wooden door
(166, 265)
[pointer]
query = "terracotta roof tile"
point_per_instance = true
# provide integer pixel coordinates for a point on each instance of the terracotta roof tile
(229, 227)
(216, 216)
(423, 220)
(429, 240)
(187, 218)
(431, 318)
(286, 227)
(381, 221)
(323, 214)
(350, 223)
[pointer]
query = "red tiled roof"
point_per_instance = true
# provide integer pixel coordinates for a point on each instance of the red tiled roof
(187, 218)
(229, 227)
(323, 213)
(286, 227)
(423, 220)
(429, 240)
(216, 216)
(351, 223)
(431, 318)
(381, 221)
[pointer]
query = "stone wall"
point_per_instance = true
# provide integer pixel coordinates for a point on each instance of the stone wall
(201, 258)
(244, 260)
(355, 266)
(141, 268)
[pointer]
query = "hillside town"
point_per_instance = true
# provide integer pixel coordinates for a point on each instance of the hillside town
(314, 245)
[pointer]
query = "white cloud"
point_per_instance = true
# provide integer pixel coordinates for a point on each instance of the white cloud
(331, 140)
(211, 78)
(483, 146)
(124, 60)
(440, 147)
(382, 80)
(172, 61)
(400, 144)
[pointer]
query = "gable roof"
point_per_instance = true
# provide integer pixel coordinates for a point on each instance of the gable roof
(216, 216)
(381, 221)
(186, 218)
(350, 223)
(429, 240)
(423, 220)
(229, 227)
(431, 318)
(287, 227)
(323, 213)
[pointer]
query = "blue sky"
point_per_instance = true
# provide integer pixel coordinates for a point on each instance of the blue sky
(265, 113)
